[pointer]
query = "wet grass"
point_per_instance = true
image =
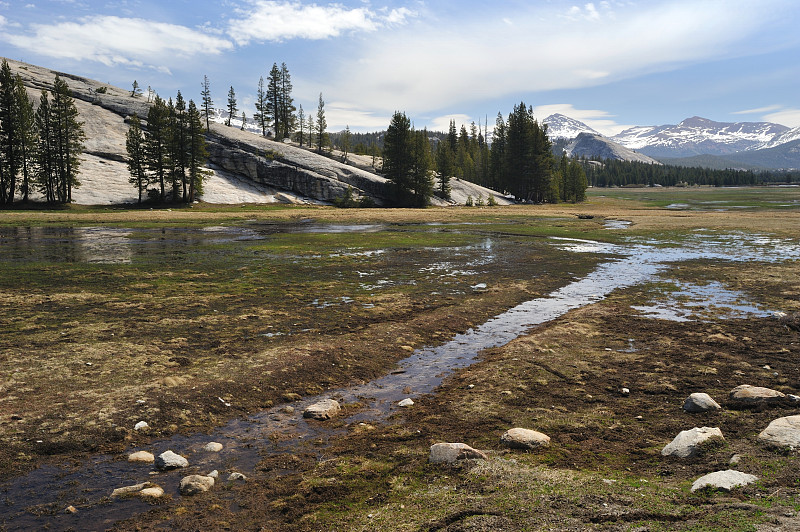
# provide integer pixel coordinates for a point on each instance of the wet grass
(708, 198)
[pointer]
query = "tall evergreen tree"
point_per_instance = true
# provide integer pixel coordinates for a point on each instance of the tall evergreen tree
(301, 117)
(69, 138)
(286, 116)
(261, 115)
(10, 160)
(274, 98)
(445, 164)
(134, 145)
(27, 137)
(322, 124)
(207, 102)
(346, 136)
(397, 158)
(157, 142)
(197, 152)
(46, 147)
(421, 176)
(232, 109)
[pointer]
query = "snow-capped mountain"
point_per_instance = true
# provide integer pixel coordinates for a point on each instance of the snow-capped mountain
(783, 138)
(697, 135)
(564, 127)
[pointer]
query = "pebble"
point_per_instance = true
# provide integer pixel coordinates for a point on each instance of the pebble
(406, 403)
(71, 510)
(170, 460)
(212, 447)
(142, 425)
(142, 457)
(236, 476)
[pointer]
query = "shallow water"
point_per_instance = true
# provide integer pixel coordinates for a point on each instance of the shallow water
(246, 441)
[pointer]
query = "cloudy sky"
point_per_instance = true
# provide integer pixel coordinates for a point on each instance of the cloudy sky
(611, 64)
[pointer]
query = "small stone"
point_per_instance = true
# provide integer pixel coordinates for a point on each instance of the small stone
(625, 391)
(141, 457)
(287, 409)
(70, 510)
(212, 447)
(194, 484)
(154, 492)
(723, 480)
(170, 460)
(142, 425)
(767, 367)
(214, 474)
(470, 386)
(127, 490)
(406, 403)
(735, 460)
(519, 438)
(689, 442)
(325, 409)
(700, 402)
(236, 476)
(291, 397)
(407, 348)
(506, 392)
(449, 453)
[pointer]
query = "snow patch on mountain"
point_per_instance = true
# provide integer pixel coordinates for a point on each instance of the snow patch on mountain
(563, 127)
(596, 146)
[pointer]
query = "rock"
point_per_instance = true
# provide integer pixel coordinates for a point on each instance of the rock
(194, 484)
(735, 460)
(169, 460)
(290, 397)
(519, 438)
(154, 492)
(325, 409)
(236, 476)
(449, 453)
(214, 474)
(406, 403)
(689, 442)
(141, 457)
(723, 480)
(700, 402)
(625, 391)
(746, 395)
(142, 425)
(127, 490)
(287, 410)
(70, 510)
(212, 447)
(782, 432)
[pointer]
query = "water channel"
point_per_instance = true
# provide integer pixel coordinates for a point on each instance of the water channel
(87, 486)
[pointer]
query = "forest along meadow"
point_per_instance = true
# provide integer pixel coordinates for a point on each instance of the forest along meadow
(224, 324)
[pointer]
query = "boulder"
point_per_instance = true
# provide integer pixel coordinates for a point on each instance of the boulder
(212, 447)
(689, 442)
(169, 460)
(154, 491)
(142, 425)
(236, 476)
(449, 453)
(700, 402)
(325, 409)
(746, 395)
(194, 484)
(142, 457)
(782, 432)
(127, 490)
(406, 403)
(519, 438)
(723, 480)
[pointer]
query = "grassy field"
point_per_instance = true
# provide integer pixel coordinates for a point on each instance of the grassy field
(250, 304)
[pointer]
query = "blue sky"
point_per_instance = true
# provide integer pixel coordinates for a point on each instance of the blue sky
(611, 64)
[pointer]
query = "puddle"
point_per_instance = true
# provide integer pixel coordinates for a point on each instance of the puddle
(617, 224)
(247, 441)
(692, 302)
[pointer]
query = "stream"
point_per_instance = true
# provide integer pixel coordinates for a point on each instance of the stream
(38, 499)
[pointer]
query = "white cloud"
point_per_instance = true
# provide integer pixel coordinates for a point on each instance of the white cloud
(757, 111)
(342, 114)
(442, 123)
(429, 65)
(267, 20)
(787, 117)
(119, 41)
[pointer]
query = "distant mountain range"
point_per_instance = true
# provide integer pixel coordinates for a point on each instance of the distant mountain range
(695, 141)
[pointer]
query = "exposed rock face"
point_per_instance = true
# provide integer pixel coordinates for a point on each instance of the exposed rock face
(723, 480)
(519, 438)
(782, 432)
(747, 396)
(689, 442)
(449, 453)
(325, 409)
(170, 460)
(590, 145)
(194, 484)
(700, 402)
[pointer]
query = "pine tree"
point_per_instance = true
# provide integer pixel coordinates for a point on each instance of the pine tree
(244, 121)
(207, 102)
(445, 164)
(261, 115)
(397, 158)
(136, 90)
(274, 98)
(345, 143)
(285, 115)
(197, 153)
(157, 142)
(322, 124)
(10, 161)
(232, 109)
(311, 127)
(45, 177)
(69, 137)
(421, 177)
(301, 120)
(26, 121)
(134, 144)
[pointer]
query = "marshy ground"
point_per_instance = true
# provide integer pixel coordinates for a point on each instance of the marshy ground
(113, 316)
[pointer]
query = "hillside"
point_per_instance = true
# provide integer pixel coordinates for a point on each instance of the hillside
(245, 167)
(593, 146)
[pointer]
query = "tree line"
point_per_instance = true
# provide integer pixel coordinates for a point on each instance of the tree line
(520, 161)
(39, 148)
(615, 173)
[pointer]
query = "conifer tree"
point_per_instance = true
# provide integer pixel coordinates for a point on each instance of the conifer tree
(301, 117)
(261, 116)
(445, 164)
(45, 177)
(346, 136)
(69, 137)
(26, 121)
(322, 124)
(10, 161)
(285, 116)
(274, 98)
(311, 127)
(232, 109)
(207, 102)
(134, 144)
(397, 158)
(197, 152)
(157, 142)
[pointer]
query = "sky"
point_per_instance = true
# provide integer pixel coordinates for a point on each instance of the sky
(610, 64)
